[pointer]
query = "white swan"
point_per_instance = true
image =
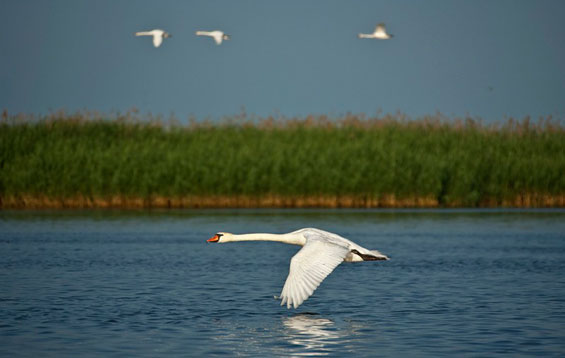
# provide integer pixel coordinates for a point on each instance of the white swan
(379, 33)
(218, 36)
(321, 252)
(158, 36)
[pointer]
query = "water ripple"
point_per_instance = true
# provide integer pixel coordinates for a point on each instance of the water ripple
(465, 284)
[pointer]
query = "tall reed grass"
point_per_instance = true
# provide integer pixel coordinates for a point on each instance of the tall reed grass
(349, 161)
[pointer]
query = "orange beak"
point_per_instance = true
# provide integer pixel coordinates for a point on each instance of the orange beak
(213, 239)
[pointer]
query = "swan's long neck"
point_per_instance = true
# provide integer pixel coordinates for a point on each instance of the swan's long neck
(292, 239)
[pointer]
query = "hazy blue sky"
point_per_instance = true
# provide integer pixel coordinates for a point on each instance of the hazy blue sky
(480, 58)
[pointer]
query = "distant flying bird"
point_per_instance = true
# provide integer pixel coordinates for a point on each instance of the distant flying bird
(158, 36)
(321, 252)
(379, 34)
(218, 36)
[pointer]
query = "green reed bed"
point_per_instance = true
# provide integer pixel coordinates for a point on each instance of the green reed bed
(385, 161)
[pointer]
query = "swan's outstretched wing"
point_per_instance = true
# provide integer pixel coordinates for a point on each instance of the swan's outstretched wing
(218, 38)
(380, 29)
(157, 39)
(309, 267)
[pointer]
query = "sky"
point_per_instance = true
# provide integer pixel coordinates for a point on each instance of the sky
(480, 58)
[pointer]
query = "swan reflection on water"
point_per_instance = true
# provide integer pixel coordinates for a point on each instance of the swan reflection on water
(313, 336)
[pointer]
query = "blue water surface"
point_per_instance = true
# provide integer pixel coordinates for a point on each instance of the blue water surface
(146, 283)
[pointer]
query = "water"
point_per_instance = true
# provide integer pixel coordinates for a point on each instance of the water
(146, 284)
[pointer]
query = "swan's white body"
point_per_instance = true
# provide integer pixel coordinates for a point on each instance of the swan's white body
(321, 252)
(379, 33)
(158, 36)
(217, 35)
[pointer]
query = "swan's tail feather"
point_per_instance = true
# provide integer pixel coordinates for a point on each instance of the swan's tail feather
(370, 255)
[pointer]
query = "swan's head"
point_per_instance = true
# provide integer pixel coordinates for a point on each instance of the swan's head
(220, 237)
(166, 35)
(226, 37)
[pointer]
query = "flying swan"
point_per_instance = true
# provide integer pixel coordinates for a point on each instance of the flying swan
(379, 33)
(321, 252)
(217, 35)
(158, 36)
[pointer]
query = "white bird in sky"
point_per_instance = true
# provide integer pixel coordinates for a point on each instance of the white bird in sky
(158, 36)
(321, 252)
(218, 35)
(379, 33)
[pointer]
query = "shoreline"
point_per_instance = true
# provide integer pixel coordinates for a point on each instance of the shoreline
(79, 161)
(269, 202)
